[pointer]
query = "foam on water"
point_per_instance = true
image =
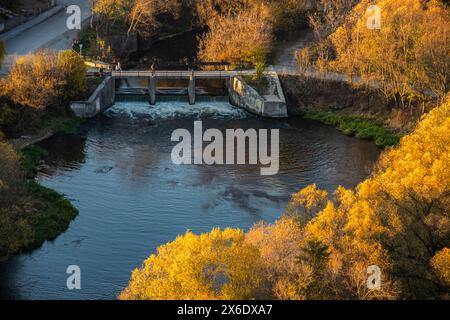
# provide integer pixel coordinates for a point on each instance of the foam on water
(175, 109)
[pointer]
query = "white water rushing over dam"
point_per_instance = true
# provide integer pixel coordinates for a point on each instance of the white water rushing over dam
(176, 109)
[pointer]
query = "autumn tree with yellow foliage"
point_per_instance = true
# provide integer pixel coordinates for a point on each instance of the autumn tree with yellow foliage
(407, 56)
(45, 78)
(34, 80)
(248, 44)
(215, 265)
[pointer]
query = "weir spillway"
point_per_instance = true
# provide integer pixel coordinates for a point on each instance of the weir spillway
(160, 88)
(188, 86)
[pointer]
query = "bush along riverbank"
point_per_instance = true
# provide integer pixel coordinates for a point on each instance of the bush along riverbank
(30, 214)
(360, 127)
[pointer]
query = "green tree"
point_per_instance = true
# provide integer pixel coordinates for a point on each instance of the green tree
(73, 70)
(317, 283)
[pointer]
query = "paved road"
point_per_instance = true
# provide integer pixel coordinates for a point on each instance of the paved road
(52, 33)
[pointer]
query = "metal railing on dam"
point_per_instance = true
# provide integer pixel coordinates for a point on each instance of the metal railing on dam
(177, 74)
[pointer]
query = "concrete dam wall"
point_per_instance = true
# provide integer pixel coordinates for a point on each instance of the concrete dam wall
(190, 88)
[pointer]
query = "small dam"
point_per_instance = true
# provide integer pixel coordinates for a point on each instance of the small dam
(188, 86)
(172, 86)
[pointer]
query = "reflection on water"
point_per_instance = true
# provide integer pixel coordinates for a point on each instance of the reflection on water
(131, 197)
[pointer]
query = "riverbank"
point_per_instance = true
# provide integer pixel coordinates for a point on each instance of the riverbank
(37, 214)
(357, 111)
(360, 127)
(47, 129)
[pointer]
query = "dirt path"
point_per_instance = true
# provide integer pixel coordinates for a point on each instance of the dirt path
(285, 62)
(285, 53)
(26, 141)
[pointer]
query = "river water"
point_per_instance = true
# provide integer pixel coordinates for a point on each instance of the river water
(131, 197)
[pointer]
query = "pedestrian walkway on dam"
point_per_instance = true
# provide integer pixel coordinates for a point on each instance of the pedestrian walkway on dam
(178, 74)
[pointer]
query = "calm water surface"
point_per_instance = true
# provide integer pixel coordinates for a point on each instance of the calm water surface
(118, 173)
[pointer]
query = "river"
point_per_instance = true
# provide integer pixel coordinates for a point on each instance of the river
(131, 197)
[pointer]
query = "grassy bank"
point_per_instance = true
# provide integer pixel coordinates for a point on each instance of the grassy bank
(31, 157)
(37, 214)
(54, 211)
(61, 125)
(46, 128)
(363, 128)
(53, 216)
